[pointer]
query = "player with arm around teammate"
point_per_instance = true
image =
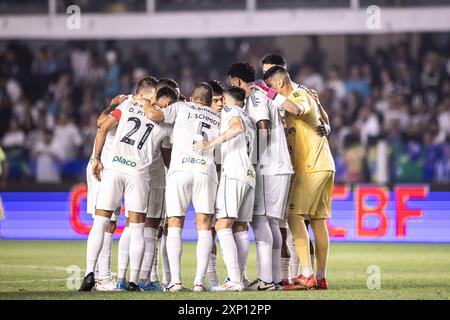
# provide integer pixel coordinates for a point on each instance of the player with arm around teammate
(192, 177)
(312, 185)
(235, 197)
(273, 171)
(156, 208)
(125, 171)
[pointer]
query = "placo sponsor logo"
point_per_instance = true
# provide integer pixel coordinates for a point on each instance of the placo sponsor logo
(124, 161)
(192, 160)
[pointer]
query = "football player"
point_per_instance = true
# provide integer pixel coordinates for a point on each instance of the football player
(125, 171)
(103, 268)
(289, 259)
(273, 172)
(192, 177)
(155, 211)
(216, 105)
(235, 196)
(145, 89)
(312, 184)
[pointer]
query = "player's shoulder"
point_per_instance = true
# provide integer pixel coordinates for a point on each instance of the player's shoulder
(258, 99)
(298, 93)
(228, 109)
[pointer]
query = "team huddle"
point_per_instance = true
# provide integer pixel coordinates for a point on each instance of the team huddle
(253, 154)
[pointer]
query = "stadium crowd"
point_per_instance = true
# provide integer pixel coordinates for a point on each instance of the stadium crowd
(50, 99)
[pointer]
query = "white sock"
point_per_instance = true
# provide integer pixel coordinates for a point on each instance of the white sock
(136, 250)
(242, 245)
(124, 253)
(165, 261)
(276, 249)
(150, 241)
(285, 269)
(230, 254)
(154, 274)
(174, 250)
(204, 247)
(96, 272)
(306, 271)
(212, 271)
(95, 242)
(104, 259)
(294, 271)
(264, 242)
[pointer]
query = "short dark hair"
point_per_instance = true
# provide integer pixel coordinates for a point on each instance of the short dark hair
(167, 92)
(166, 82)
(243, 71)
(217, 87)
(274, 59)
(236, 93)
(146, 83)
(202, 92)
(273, 71)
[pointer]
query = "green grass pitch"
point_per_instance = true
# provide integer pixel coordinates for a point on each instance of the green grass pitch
(38, 270)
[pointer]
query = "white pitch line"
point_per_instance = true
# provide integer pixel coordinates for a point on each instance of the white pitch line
(37, 280)
(32, 266)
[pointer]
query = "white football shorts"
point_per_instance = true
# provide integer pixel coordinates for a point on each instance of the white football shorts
(93, 186)
(182, 187)
(271, 195)
(114, 184)
(155, 207)
(235, 199)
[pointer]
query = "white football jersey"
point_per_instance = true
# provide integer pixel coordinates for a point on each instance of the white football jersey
(157, 168)
(275, 159)
(192, 123)
(236, 153)
(135, 142)
(108, 143)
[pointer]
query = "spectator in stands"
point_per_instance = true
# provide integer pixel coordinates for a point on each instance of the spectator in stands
(67, 138)
(442, 166)
(46, 156)
(356, 83)
(354, 158)
(368, 124)
(13, 143)
(443, 119)
(112, 74)
(311, 78)
(335, 82)
(36, 135)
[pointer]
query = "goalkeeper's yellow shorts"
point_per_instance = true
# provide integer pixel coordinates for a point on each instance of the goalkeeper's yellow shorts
(311, 194)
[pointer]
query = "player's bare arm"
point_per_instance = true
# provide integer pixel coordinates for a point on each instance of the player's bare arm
(324, 129)
(115, 102)
(108, 124)
(153, 113)
(235, 129)
(263, 136)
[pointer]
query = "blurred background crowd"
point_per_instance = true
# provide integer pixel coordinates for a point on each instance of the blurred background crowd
(388, 107)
